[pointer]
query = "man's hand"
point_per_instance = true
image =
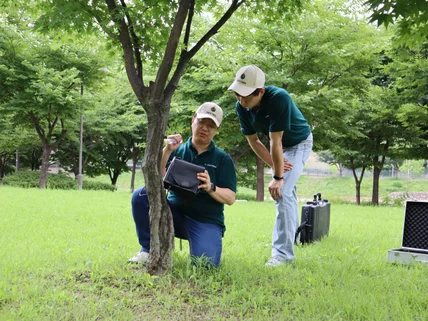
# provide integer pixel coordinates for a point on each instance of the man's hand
(275, 188)
(173, 141)
(206, 181)
(287, 166)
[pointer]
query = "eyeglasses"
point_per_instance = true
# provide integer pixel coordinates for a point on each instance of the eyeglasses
(204, 123)
(254, 93)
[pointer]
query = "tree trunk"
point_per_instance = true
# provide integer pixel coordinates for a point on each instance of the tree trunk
(45, 166)
(17, 161)
(161, 225)
(358, 192)
(135, 156)
(375, 190)
(3, 164)
(260, 196)
(358, 181)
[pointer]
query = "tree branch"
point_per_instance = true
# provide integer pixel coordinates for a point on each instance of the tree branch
(39, 128)
(171, 48)
(233, 7)
(136, 83)
(92, 12)
(63, 132)
(185, 56)
(189, 25)
(52, 127)
(135, 43)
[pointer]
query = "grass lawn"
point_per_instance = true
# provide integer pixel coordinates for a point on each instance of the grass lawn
(338, 189)
(63, 257)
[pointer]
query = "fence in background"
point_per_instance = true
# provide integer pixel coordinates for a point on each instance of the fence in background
(367, 173)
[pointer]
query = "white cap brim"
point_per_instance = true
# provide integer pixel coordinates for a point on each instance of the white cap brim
(203, 115)
(241, 89)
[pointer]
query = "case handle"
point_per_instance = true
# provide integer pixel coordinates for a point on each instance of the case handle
(319, 196)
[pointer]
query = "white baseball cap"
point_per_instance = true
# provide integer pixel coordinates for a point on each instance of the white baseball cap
(247, 80)
(212, 111)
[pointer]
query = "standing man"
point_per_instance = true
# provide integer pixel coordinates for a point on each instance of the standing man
(271, 111)
(198, 219)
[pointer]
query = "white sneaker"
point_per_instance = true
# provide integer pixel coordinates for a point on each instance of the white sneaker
(140, 258)
(277, 261)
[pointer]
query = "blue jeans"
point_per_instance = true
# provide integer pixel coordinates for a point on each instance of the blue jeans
(205, 239)
(287, 219)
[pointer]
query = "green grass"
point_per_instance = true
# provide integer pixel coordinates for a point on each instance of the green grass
(63, 257)
(344, 188)
(123, 182)
(332, 188)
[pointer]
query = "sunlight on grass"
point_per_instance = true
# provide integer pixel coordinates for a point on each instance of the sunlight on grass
(64, 257)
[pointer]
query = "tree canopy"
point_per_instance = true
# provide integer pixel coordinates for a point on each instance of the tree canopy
(411, 16)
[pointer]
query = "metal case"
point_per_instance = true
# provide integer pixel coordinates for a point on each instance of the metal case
(315, 221)
(415, 235)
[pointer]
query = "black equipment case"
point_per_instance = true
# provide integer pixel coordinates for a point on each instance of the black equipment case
(415, 235)
(315, 221)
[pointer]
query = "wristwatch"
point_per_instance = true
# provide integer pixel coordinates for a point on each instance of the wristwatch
(278, 178)
(213, 187)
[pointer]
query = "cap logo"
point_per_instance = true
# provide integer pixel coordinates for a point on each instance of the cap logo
(213, 109)
(243, 76)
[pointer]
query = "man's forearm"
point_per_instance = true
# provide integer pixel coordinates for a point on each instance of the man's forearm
(277, 159)
(261, 151)
(223, 195)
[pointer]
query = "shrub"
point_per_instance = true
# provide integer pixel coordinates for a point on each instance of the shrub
(30, 179)
(245, 196)
(91, 185)
(25, 179)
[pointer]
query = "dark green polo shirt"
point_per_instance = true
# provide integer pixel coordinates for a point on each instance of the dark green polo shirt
(277, 112)
(221, 169)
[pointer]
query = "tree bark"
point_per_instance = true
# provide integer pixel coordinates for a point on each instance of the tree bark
(358, 193)
(260, 196)
(358, 181)
(135, 155)
(45, 166)
(340, 167)
(3, 163)
(17, 163)
(376, 175)
(161, 225)
(114, 176)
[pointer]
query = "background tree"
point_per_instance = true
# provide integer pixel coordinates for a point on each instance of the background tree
(43, 85)
(327, 156)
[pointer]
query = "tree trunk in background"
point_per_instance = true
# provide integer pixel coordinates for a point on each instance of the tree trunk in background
(340, 170)
(358, 181)
(3, 163)
(114, 175)
(45, 166)
(375, 189)
(17, 161)
(358, 192)
(260, 196)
